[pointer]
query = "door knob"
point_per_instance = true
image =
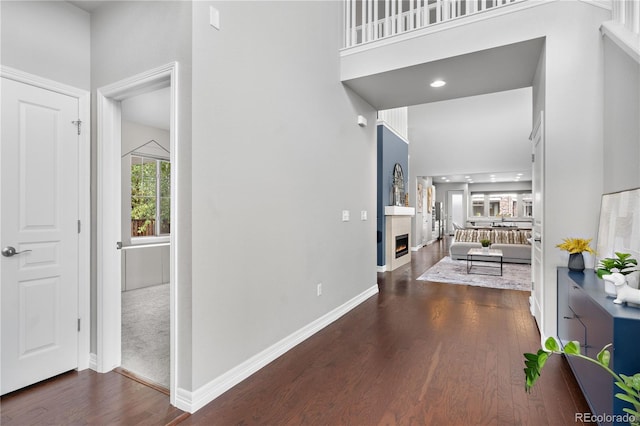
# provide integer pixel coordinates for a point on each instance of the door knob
(9, 251)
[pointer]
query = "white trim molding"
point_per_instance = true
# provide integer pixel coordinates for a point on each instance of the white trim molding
(382, 268)
(193, 401)
(84, 199)
(109, 230)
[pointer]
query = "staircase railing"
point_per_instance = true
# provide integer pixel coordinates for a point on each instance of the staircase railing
(370, 20)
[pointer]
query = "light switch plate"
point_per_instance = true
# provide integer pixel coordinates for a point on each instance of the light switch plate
(345, 215)
(214, 17)
(363, 215)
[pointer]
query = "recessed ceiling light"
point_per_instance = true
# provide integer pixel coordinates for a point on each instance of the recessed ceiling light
(443, 178)
(438, 83)
(467, 177)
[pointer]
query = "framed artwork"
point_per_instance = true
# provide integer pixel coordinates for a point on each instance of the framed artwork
(619, 225)
(419, 197)
(429, 198)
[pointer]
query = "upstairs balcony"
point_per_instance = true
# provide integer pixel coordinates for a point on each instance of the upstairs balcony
(371, 20)
(367, 21)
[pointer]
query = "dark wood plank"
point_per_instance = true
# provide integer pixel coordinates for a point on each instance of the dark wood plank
(87, 397)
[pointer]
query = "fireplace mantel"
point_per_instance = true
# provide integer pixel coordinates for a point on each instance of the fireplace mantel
(399, 211)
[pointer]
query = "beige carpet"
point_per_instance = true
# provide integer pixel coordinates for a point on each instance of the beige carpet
(515, 276)
(145, 333)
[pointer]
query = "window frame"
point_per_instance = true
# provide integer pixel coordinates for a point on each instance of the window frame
(149, 239)
(487, 195)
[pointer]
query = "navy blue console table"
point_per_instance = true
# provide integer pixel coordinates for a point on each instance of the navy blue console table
(588, 315)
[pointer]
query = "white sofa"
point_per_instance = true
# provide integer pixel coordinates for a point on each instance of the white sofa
(514, 243)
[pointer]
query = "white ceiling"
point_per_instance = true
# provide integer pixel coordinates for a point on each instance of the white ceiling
(150, 109)
(517, 176)
(493, 70)
(88, 5)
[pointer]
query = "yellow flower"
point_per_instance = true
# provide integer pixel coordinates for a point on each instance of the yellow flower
(576, 245)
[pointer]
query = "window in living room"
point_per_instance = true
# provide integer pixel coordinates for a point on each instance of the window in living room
(502, 205)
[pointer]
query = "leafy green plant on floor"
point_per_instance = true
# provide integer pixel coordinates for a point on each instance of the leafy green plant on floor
(623, 263)
(629, 384)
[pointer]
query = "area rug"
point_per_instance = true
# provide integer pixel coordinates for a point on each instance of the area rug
(515, 276)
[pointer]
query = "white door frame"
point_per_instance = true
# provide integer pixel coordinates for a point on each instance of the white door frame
(109, 215)
(84, 200)
(537, 299)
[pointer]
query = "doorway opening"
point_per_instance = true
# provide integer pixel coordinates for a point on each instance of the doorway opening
(118, 212)
(146, 230)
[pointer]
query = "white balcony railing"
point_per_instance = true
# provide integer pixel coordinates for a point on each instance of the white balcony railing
(370, 20)
(624, 27)
(627, 13)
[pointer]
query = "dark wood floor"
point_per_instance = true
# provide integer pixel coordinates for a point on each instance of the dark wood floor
(419, 353)
(88, 398)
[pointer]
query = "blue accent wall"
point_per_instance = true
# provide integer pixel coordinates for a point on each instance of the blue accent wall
(391, 150)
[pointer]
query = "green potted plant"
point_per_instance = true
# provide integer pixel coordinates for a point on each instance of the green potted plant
(623, 263)
(575, 247)
(486, 243)
(630, 385)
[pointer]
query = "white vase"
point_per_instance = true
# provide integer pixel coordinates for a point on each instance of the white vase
(611, 281)
(610, 288)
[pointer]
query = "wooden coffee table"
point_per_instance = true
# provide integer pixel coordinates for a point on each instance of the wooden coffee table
(484, 261)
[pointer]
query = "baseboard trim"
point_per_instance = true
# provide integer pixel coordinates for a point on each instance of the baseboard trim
(93, 362)
(193, 401)
(382, 268)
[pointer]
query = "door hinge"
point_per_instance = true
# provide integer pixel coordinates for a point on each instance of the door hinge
(533, 157)
(77, 123)
(78, 324)
(79, 226)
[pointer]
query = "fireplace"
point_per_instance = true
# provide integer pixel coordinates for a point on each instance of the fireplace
(397, 241)
(402, 245)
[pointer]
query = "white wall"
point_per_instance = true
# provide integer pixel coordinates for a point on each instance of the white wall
(621, 119)
(573, 130)
(478, 134)
(135, 134)
(47, 38)
(277, 156)
(132, 37)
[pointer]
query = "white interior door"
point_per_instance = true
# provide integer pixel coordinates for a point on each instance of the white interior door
(39, 222)
(537, 268)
